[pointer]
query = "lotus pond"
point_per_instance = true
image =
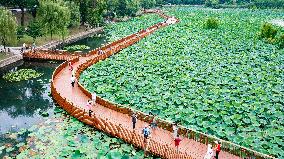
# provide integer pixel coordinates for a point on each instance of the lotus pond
(89, 43)
(33, 127)
(224, 82)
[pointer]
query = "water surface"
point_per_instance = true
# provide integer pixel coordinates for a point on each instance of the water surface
(22, 103)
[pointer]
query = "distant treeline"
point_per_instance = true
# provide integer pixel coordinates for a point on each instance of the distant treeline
(228, 3)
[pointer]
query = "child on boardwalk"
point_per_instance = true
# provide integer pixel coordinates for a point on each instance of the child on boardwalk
(73, 80)
(175, 130)
(209, 153)
(177, 141)
(89, 107)
(134, 120)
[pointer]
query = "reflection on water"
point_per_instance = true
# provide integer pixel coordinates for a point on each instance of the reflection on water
(93, 42)
(23, 102)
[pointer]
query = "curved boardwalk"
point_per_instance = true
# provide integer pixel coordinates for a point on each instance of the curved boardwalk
(116, 121)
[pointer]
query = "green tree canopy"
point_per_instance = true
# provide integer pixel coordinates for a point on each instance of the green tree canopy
(8, 27)
(148, 4)
(54, 17)
(75, 13)
(34, 30)
(22, 4)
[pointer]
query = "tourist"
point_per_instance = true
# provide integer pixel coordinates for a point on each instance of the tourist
(146, 134)
(73, 80)
(9, 51)
(209, 153)
(33, 46)
(177, 141)
(217, 149)
(94, 98)
(73, 72)
(22, 50)
(89, 107)
(175, 130)
(101, 52)
(24, 46)
(134, 120)
(153, 122)
(70, 66)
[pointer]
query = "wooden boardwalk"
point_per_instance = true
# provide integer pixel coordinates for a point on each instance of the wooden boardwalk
(116, 120)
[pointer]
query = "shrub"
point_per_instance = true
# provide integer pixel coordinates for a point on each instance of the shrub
(20, 32)
(211, 3)
(211, 23)
(267, 31)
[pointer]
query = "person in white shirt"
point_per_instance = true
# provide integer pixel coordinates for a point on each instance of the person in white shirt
(94, 97)
(209, 153)
(175, 130)
(73, 80)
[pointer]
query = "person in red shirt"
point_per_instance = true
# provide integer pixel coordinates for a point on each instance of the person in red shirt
(177, 141)
(217, 149)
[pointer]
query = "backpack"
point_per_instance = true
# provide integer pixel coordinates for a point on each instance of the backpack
(146, 132)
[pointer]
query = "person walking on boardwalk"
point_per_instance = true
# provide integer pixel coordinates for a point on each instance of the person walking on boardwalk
(94, 98)
(73, 80)
(89, 107)
(70, 66)
(153, 122)
(134, 120)
(24, 46)
(177, 141)
(175, 130)
(209, 153)
(146, 133)
(217, 149)
(73, 72)
(101, 52)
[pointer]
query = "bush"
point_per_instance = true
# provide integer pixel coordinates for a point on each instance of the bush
(211, 3)
(211, 23)
(267, 31)
(20, 32)
(280, 41)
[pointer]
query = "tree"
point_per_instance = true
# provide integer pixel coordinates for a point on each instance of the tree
(22, 4)
(54, 17)
(121, 8)
(64, 21)
(132, 7)
(8, 27)
(20, 32)
(147, 4)
(95, 14)
(211, 3)
(75, 13)
(34, 30)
